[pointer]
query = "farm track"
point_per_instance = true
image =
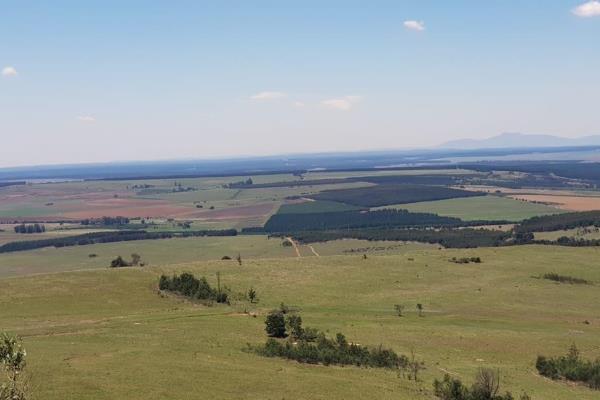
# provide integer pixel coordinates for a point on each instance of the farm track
(293, 242)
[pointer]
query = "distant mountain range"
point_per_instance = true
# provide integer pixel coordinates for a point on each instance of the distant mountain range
(516, 140)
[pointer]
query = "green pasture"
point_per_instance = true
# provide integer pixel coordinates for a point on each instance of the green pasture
(108, 334)
(481, 208)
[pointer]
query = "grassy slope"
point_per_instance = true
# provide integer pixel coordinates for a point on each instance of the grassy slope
(482, 208)
(180, 250)
(107, 334)
(153, 252)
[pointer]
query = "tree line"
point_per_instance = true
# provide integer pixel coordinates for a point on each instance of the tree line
(449, 238)
(107, 237)
(31, 228)
(288, 222)
(308, 345)
(557, 222)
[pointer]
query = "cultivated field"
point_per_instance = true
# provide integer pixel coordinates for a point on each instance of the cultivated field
(481, 208)
(107, 334)
(571, 203)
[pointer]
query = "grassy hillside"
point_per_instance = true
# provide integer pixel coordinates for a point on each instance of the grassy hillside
(107, 334)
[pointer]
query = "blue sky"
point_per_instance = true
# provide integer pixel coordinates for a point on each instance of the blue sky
(131, 80)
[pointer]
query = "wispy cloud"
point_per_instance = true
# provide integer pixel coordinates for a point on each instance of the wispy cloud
(341, 103)
(412, 25)
(86, 118)
(9, 71)
(589, 9)
(299, 104)
(268, 96)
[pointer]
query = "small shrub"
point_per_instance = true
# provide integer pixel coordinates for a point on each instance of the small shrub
(252, 295)
(399, 308)
(565, 279)
(486, 387)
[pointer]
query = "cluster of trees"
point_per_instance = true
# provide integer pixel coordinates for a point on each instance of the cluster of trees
(486, 387)
(188, 285)
(559, 222)
(382, 195)
(106, 221)
(308, 345)
(450, 238)
(120, 262)
(571, 367)
(32, 228)
(552, 276)
(466, 260)
(12, 364)
(571, 242)
(240, 184)
(107, 237)
(288, 222)
(12, 183)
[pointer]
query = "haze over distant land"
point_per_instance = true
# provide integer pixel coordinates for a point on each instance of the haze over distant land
(103, 81)
(518, 140)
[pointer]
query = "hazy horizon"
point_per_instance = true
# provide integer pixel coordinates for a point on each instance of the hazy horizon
(104, 82)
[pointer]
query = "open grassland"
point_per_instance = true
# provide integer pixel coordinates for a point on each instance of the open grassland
(183, 250)
(107, 334)
(486, 208)
(153, 252)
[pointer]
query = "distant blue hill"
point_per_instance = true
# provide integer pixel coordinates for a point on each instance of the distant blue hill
(520, 140)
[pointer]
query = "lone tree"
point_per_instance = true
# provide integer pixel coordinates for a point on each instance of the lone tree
(275, 324)
(252, 295)
(12, 363)
(420, 309)
(399, 308)
(135, 259)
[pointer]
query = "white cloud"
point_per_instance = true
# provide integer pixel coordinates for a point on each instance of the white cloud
(86, 118)
(342, 103)
(418, 26)
(268, 96)
(299, 104)
(589, 9)
(9, 71)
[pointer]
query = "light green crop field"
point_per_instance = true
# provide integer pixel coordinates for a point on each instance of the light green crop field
(587, 233)
(108, 334)
(481, 208)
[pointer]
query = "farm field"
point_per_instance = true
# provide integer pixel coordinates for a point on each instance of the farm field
(481, 208)
(107, 334)
(203, 199)
(588, 233)
(570, 203)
